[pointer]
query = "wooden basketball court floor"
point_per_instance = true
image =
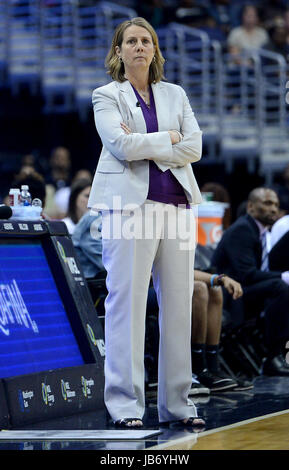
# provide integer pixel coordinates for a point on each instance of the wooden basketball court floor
(268, 432)
(256, 419)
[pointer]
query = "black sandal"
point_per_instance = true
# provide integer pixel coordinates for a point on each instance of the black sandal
(126, 423)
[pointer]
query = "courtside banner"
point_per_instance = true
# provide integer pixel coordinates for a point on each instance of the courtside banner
(61, 392)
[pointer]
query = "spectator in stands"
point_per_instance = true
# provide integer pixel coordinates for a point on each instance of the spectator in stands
(59, 176)
(272, 11)
(60, 168)
(286, 20)
(61, 196)
(77, 205)
(249, 35)
(236, 8)
(278, 40)
(242, 253)
(28, 162)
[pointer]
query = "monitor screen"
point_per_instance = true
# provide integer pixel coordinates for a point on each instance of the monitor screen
(35, 332)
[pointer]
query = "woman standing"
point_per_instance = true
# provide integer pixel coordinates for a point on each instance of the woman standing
(144, 181)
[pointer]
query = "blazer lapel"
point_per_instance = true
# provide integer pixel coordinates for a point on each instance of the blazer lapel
(160, 93)
(133, 113)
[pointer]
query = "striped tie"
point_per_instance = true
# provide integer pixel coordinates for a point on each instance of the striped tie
(264, 262)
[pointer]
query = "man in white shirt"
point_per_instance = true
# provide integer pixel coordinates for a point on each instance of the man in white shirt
(279, 239)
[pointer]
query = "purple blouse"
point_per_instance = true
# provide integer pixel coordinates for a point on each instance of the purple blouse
(163, 186)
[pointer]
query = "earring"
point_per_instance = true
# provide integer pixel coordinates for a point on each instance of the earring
(154, 58)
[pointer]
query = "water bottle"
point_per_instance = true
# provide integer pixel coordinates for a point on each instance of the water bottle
(36, 209)
(25, 196)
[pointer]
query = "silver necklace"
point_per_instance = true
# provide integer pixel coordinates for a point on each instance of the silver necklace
(145, 97)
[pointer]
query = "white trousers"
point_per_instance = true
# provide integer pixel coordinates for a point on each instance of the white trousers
(136, 244)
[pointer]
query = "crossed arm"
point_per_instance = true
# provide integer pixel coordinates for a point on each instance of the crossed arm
(164, 147)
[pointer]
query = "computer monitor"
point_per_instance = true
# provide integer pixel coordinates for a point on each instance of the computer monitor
(51, 339)
(35, 332)
(47, 317)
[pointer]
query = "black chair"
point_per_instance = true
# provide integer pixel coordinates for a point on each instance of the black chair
(98, 291)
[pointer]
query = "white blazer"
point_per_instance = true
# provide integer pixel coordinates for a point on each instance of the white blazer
(123, 167)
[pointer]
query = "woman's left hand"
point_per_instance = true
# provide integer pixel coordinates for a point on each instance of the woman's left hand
(125, 128)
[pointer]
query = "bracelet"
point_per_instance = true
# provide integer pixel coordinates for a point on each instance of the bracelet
(213, 277)
(219, 279)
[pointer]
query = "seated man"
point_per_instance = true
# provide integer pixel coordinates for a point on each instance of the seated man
(243, 254)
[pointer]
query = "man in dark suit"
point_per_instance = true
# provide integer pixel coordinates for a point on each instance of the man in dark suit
(240, 255)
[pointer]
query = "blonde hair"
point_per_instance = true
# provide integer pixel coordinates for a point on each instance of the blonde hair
(115, 67)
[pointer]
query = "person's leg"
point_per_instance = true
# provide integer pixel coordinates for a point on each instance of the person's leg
(173, 282)
(200, 312)
(215, 310)
(128, 263)
(199, 326)
(205, 363)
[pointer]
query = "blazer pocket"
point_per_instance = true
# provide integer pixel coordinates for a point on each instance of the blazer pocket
(110, 167)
